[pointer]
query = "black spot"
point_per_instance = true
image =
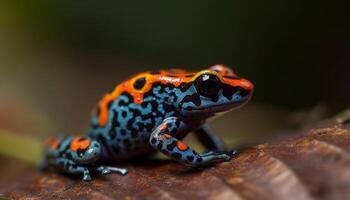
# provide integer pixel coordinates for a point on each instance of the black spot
(124, 113)
(81, 152)
(176, 156)
(115, 123)
(68, 156)
(190, 158)
(199, 159)
(228, 91)
(185, 86)
(153, 141)
(160, 145)
(144, 104)
(122, 103)
(123, 132)
(161, 88)
(171, 146)
(149, 127)
(168, 108)
(94, 126)
(192, 98)
(173, 131)
(126, 102)
(139, 83)
(190, 108)
(112, 133)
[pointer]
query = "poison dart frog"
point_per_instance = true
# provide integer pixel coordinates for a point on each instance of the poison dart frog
(150, 112)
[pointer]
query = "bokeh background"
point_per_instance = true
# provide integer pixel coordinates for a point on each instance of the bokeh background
(57, 58)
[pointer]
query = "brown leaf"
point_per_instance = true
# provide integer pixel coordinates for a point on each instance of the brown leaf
(313, 166)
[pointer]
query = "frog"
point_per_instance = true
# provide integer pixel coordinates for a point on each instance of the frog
(153, 112)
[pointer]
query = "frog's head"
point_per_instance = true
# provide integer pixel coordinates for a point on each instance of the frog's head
(84, 150)
(214, 91)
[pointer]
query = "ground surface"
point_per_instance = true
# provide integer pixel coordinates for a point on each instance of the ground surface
(312, 166)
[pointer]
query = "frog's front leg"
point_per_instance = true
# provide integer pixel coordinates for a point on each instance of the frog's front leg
(163, 140)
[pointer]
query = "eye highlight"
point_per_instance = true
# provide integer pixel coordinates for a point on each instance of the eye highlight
(208, 85)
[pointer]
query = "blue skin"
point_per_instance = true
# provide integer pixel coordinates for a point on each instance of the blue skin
(165, 116)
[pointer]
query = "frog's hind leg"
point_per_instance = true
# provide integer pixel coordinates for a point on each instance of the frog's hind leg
(163, 139)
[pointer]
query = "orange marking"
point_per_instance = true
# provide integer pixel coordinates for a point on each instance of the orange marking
(52, 143)
(173, 77)
(79, 143)
(167, 136)
(181, 146)
(165, 77)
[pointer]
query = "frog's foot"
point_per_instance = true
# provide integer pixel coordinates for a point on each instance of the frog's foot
(121, 171)
(211, 157)
(86, 176)
(230, 153)
(163, 140)
(104, 170)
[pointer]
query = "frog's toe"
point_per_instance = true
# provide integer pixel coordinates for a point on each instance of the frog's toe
(124, 172)
(106, 171)
(87, 178)
(232, 153)
(224, 157)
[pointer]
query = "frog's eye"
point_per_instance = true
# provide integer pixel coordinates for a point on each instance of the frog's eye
(208, 85)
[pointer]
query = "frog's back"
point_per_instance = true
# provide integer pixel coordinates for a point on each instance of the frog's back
(127, 116)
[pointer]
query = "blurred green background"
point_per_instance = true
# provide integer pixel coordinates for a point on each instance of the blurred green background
(57, 58)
